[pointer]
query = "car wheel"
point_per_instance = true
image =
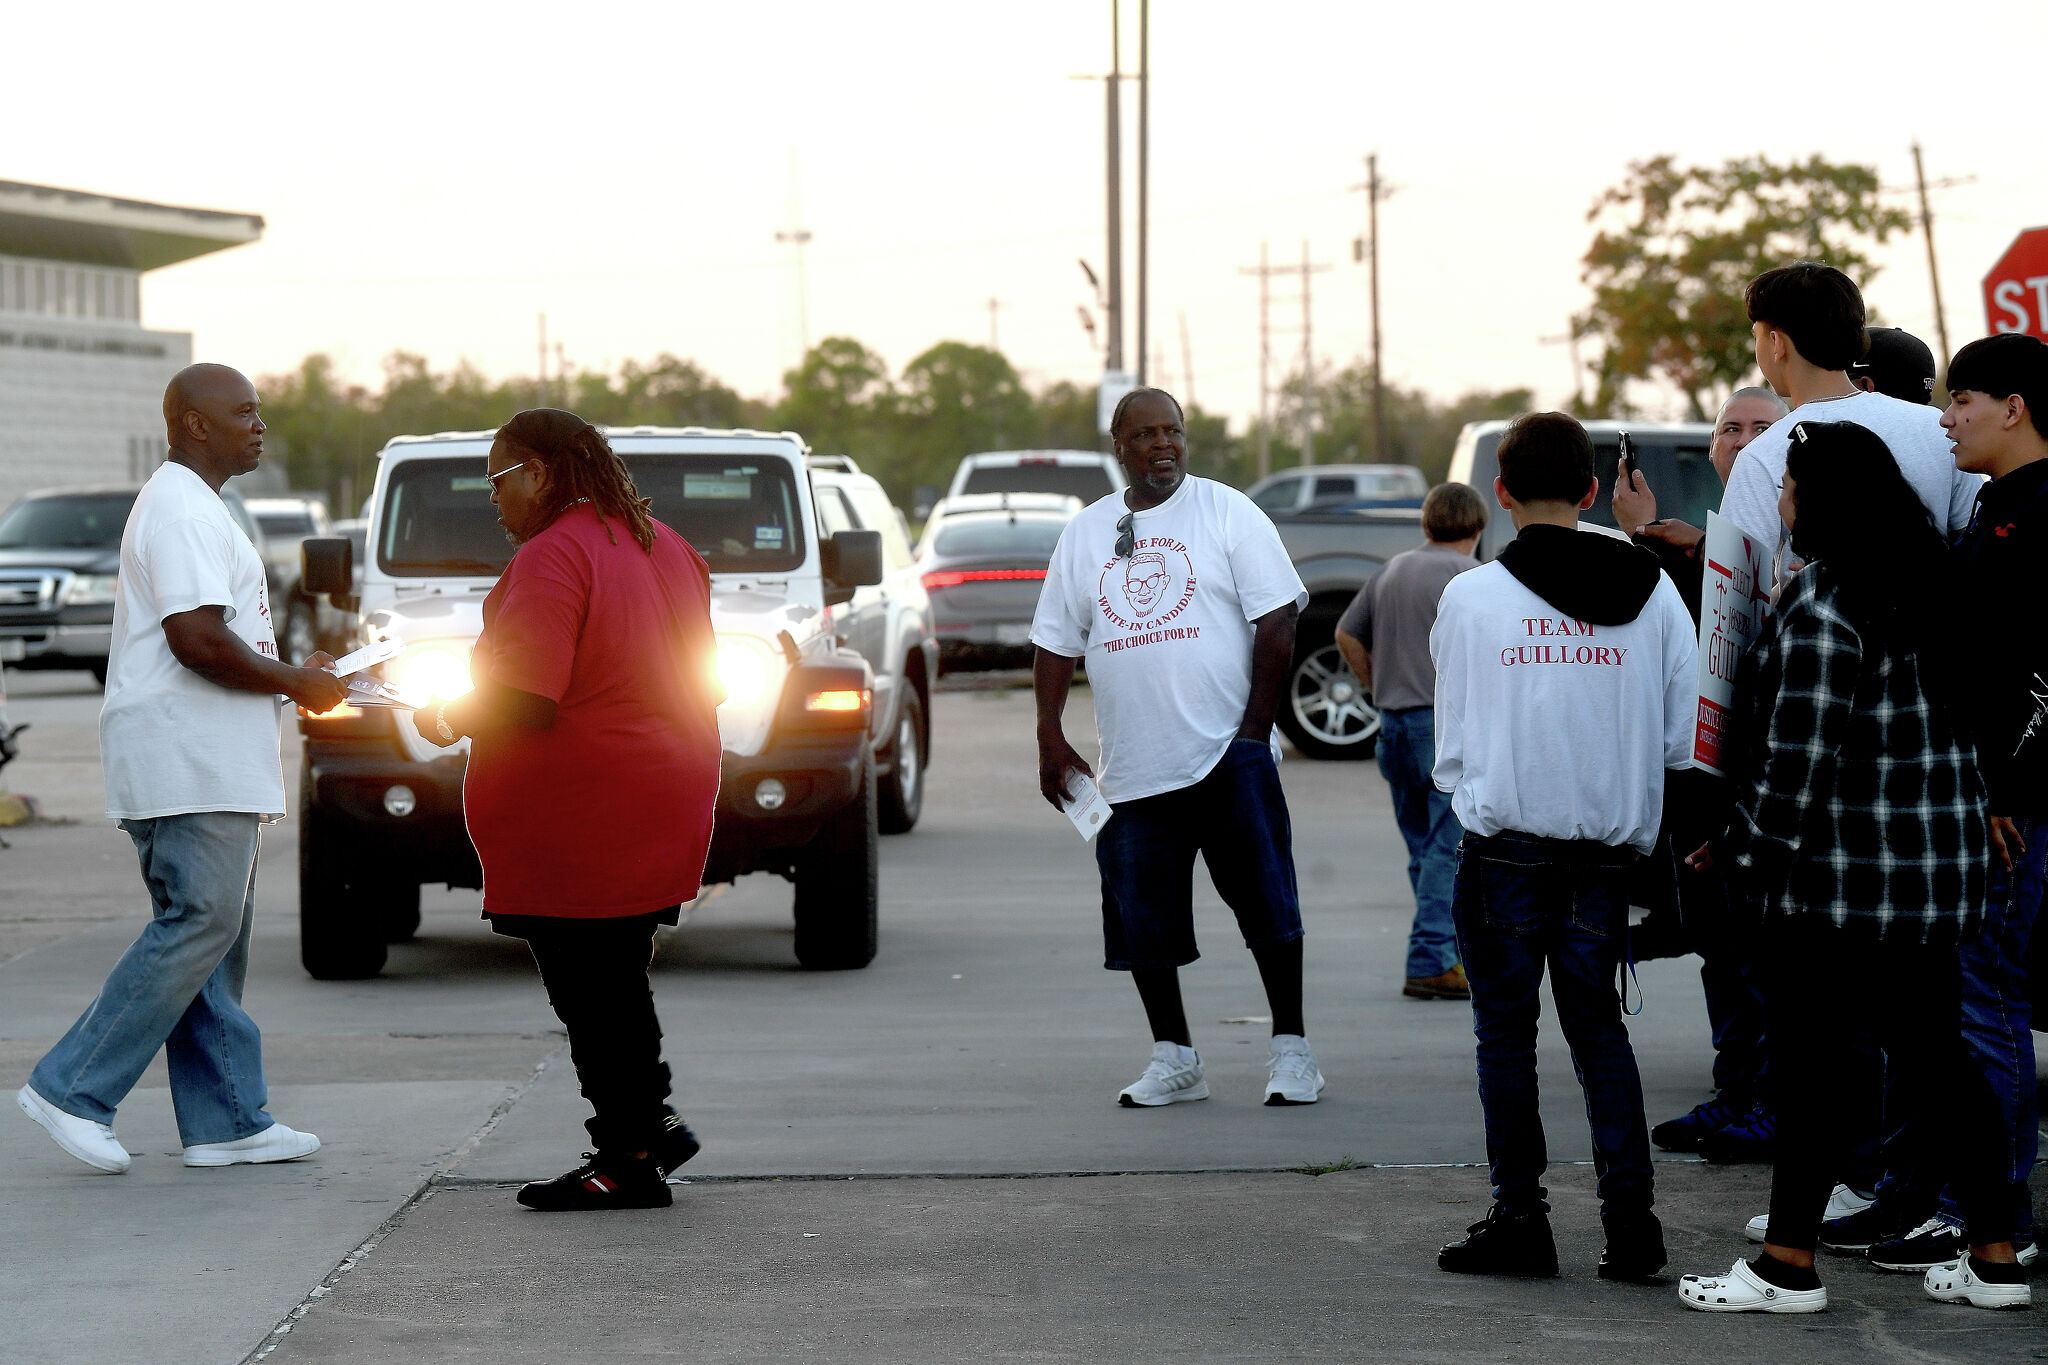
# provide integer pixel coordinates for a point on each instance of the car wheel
(301, 633)
(902, 795)
(837, 886)
(1325, 712)
(340, 938)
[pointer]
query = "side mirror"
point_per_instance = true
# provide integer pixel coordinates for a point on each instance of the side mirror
(327, 565)
(852, 559)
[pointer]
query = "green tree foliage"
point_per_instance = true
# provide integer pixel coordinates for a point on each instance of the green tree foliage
(1676, 244)
(840, 398)
(956, 399)
(1420, 431)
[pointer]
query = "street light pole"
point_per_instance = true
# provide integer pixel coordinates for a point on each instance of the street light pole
(1144, 165)
(1115, 305)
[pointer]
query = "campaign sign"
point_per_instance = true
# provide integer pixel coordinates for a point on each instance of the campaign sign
(1733, 603)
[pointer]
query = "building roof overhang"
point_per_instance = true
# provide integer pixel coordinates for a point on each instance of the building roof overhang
(42, 222)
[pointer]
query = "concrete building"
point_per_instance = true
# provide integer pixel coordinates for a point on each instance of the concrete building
(81, 379)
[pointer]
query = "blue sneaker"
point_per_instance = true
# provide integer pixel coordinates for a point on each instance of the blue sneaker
(1684, 1133)
(1750, 1138)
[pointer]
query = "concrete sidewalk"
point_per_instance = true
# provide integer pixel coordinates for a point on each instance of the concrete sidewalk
(1105, 1268)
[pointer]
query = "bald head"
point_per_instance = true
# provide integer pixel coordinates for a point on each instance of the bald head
(1747, 414)
(212, 421)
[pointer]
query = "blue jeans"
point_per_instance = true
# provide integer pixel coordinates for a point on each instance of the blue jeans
(1523, 902)
(1407, 752)
(1236, 818)
(178, 987)
(1998, 1018)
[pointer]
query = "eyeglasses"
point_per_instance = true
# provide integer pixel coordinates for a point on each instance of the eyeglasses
(1126, 537)
(493, 478)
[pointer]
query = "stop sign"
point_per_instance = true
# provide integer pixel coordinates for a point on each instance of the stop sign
(2016, 290)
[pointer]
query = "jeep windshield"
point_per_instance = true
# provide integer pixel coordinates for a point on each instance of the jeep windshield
(739, 513)
(78, 521)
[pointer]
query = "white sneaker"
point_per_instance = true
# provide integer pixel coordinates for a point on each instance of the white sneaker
(275, 1143)
(1843, 1202)
(92, 1143)
(1956, 1283)
(1175, 1075)
(1742, 1290)
(1292, 1077)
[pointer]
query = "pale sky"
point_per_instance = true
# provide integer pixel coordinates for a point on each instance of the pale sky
(436, 175)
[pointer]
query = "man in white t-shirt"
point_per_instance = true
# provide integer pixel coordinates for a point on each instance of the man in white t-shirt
(189, 743)
(1807, 321)
(1564, 691)
(1180, 596)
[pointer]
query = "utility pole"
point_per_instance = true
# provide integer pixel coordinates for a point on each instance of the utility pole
(1115, 305)
(1308, 363)
(993, 304)
(1187, 361)
(1144, 165)
(1368, 249)
(543, 370)
(798, 237)
(1265, 274)
(1933, 274)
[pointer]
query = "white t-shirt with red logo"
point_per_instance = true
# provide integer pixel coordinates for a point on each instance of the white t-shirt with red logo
(171, 742)
(1166, 632)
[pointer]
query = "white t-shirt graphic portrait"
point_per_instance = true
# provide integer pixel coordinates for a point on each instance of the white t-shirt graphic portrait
(1166, 631)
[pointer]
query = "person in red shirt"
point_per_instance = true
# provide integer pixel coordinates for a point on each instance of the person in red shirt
(593, 771)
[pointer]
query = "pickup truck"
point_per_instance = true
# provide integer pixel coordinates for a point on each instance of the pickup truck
(1326, 712)
(813, 592)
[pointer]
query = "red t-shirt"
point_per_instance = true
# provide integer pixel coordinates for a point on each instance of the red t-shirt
(609, 813)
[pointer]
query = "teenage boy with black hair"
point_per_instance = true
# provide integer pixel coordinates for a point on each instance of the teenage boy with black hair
(1807, 323)
(1998, 419)
(1564, 691)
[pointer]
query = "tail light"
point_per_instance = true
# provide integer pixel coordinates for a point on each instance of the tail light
(953, 578)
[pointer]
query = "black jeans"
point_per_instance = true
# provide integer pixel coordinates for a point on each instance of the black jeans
(595, 971)
(1823, 983)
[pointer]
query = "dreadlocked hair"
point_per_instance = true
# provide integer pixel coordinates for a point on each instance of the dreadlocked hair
(581, 465)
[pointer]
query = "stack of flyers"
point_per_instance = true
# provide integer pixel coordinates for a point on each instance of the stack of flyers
(366, 657)
(1084, 804)
(374, 692)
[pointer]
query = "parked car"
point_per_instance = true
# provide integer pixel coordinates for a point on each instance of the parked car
(1338, 487)
(823, 643)
(1673, 456)
(60, 552)
(286, 521)
(1085, 474)
(983, 560)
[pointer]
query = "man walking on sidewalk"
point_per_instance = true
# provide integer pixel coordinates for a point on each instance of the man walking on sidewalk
(188, 739)
(1564, 691)
(1182, 599)
(1384, 636)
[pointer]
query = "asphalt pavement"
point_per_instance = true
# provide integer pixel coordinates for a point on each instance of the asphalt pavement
(918, 1161)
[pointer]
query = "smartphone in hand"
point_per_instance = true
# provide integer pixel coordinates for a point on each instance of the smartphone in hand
(1628, 458)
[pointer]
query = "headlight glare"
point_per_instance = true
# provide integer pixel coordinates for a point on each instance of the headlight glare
(747, 669)
(431, 673)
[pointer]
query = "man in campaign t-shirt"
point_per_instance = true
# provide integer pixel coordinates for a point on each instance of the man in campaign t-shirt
(188, 739)
(1180, 596)
(1565, 675)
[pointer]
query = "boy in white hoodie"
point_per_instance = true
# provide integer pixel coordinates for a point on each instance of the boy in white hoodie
(1565, 689)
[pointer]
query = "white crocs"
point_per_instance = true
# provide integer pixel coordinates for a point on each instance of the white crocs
(1957, 1283)
(1742, 1290)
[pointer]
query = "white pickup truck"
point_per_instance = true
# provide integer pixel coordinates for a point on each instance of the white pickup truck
(812, 592)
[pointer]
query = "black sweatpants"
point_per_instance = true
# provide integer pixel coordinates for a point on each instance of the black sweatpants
(595, 971)
(1821, 985)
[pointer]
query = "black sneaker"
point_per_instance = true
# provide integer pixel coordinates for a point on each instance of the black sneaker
(1931, 1244)
(1635, 1248)
(1503, 1243)
(1858, 1232)
(1752, 1137)
(601, 1182)
(675, 1145)
(1684, 1133)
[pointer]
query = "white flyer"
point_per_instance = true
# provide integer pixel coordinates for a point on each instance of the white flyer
(366, 657)
(1734, 600)
(1085, 806)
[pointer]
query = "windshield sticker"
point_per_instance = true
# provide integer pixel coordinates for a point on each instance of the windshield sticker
(465, 484)
(767, 537)
(713, 486)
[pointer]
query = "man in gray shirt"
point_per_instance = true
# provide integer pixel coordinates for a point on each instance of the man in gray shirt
(1384, 635)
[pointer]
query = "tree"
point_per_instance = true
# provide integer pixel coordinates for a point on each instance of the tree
(1676, 245)
(1420, 430)
(839, 399)
(954, 400)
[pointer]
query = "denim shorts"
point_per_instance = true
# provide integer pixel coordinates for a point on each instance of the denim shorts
(1236, 818)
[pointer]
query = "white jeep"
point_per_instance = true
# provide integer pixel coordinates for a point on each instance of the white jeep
(807, 600)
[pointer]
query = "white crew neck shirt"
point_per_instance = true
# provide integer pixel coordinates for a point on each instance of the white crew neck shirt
(1911, 431)
(171, 742)
(1555, 727)
(1167, 633)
